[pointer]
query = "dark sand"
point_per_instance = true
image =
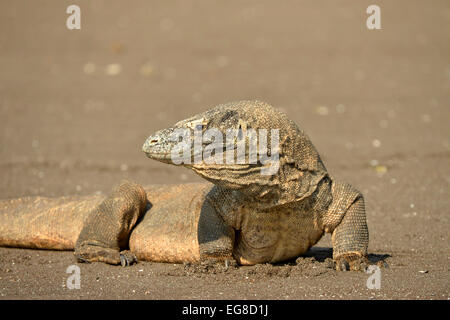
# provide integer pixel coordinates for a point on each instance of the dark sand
(76, 107)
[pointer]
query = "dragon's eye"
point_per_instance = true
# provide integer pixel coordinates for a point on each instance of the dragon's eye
(196, 125)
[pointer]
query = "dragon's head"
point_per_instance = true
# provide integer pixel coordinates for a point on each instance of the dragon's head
(246, 145)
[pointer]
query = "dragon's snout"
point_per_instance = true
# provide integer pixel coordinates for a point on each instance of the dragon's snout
(149, 144)
(159, 145)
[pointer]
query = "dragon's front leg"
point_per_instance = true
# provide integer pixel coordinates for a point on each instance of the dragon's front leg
(351, 238)
(107, 227)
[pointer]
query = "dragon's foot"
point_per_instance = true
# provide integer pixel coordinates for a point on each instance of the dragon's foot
(88, 253)
(127, 258)
(351, 261)
(355, 262)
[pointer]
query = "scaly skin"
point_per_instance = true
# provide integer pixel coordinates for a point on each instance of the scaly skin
(242, 214)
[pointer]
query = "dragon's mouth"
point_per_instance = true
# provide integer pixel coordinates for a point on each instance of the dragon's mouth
(163, 157)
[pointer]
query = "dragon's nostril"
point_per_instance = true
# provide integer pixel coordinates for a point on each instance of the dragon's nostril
(153, 141)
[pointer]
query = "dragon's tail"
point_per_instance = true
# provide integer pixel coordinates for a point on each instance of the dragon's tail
(44, 223)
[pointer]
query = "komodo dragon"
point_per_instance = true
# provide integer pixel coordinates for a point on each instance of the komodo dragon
(240, 215)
